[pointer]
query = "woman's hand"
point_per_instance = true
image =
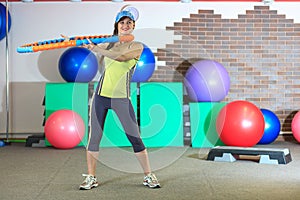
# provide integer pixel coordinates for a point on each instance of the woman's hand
(89, 46)
(67, 39)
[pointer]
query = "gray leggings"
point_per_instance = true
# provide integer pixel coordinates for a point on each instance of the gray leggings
(124, 110)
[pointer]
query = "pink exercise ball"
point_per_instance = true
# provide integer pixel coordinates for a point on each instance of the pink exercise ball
(64, 129)
(296, 126)
(240, 123)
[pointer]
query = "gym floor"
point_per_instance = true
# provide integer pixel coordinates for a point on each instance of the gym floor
(47, 173)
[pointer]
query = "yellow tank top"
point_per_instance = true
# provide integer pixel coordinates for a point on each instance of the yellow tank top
(115, 81)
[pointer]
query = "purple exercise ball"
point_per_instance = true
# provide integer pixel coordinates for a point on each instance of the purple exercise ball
(207, 81)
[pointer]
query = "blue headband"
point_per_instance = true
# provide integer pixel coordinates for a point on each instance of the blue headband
(124, 13)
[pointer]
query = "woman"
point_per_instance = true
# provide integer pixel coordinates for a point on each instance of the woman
(113, 93)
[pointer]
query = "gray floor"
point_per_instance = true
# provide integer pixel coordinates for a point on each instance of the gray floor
(48, 173)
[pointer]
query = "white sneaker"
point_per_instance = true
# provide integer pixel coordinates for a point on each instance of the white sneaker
(89, 182)
(151, 181)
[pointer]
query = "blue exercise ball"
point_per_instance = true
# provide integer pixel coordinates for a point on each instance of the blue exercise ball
(2, 143)
(78, 64)
(145, 66)
(272, 127)
(207, 81)
(3, 21)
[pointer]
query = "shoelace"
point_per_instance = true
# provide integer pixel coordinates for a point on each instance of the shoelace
(87, 177)
(152, 178)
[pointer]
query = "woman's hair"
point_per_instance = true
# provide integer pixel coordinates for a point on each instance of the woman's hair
(116, 31)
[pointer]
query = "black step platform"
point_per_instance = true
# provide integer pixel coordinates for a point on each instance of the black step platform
(35, 141)
(267, 155)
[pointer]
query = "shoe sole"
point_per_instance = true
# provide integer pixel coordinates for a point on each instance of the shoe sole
(153, 187)
(93, 186)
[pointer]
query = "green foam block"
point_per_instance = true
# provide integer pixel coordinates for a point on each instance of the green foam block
(203, 117)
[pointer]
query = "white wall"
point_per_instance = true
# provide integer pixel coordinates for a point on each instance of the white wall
(41, 21)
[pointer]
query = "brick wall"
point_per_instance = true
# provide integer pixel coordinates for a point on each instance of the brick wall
(260, 50)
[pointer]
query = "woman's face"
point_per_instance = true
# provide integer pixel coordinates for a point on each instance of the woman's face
(125, 26)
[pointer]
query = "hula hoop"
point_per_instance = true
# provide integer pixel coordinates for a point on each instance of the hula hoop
(72, 42)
